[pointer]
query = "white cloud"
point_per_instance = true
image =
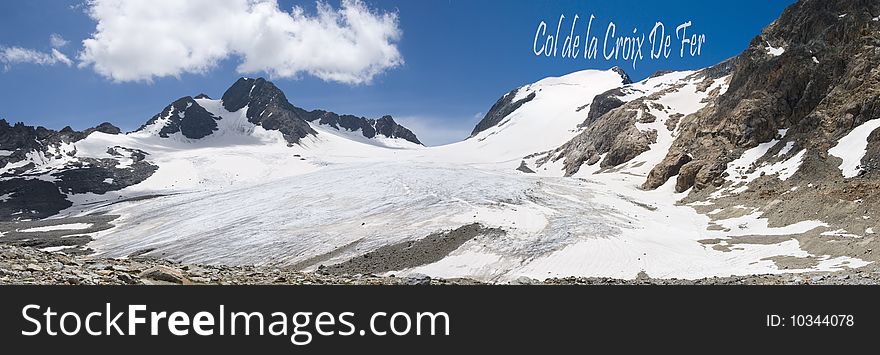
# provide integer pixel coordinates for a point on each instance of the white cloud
(139, 40)
(57, 41)
(434, 131)
(61, 57)
(10, 56)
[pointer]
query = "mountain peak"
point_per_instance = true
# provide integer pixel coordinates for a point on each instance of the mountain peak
(244, 90)
(184, 116)
(268, 106)
(623, 74)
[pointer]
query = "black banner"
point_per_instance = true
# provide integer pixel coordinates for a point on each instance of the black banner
(491, 319)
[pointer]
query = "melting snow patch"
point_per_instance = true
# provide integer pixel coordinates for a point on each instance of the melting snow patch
(840, 233)
(786, 148)
(852, 147)
(745, 169)
(753, 224)
(774, 51)
(69, 226)
(56, 249)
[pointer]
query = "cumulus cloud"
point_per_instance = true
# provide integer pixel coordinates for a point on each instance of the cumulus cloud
(140, 40)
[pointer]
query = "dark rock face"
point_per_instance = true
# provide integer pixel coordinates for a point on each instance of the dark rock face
(824, 84)
(602, 104)
(20, 139)
(503, 107)
(105, 127)
(30, 199)
(349, 122)
(100, 176)
(28, 194)
(28, 138)
(525, 168)
(623, 74)
(614, 134)
(187, 117)
(871, 161)
(388, 128)
(670, 170)
(267, 106)
(19, 136)
(687, 175)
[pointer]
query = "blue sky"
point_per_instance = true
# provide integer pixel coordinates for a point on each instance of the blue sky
(458, 57)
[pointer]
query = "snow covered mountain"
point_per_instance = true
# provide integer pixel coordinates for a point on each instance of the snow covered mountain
(765, 163)
(192, 142)
(262, 104)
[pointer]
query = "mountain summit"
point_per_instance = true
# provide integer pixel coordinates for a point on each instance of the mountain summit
(265, 105)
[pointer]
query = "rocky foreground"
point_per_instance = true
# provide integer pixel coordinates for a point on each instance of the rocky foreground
(23, 265)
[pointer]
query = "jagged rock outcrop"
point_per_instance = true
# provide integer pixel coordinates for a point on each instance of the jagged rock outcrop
(268, 106)
(20, 139)
(31, 192)
(386, 126)
(815, 72)
(623, 74)
(602, 104)
(503, 107)
(186, 117)
(615, 136)
(370, 128)
(620, 123)
(105, 127)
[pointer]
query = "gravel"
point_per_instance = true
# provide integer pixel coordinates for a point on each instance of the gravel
(24, 265)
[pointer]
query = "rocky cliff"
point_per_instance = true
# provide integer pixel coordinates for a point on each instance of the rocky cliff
(268, 106)
(814, 73)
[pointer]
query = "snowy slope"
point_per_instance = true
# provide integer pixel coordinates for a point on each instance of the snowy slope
(239, 153)
(544, 123)
(852, 147)
(242, 195)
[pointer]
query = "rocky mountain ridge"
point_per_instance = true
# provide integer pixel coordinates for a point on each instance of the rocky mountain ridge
(268, 107)
(41, 168)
